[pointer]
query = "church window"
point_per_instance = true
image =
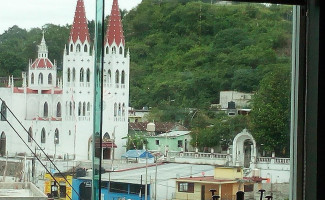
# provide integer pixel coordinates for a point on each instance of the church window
(88, 108)
(69, 71)
(32, 78)
(88, 75)
(81, 75)
(123, 109)
(109, 75)
(56, 137)
(121, 50)
(3, 144)
(43, 136)
(50, 79)
(117, 74)
(30, 134)
(106, 137)
(105, 76)
(46, 110)
(71, 48)
(70, 108)
(73, 74)
(106, 50)
(123, 77)
(114, 50)
(85, 48)
(40, 79)
(58, 110)
(78, 48)
(3, 111)
(79, 109)
(84, 109)
(119, 109)
(115, 110)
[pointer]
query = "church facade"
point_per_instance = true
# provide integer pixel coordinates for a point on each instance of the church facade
(56, 113)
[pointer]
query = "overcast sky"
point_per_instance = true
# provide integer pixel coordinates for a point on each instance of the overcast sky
(35, 13)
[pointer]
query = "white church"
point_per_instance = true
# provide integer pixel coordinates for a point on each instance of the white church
(58, 111)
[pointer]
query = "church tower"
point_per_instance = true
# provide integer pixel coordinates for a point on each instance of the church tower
(78, 86)
(78, 65)
(116, 84)
(42, 72)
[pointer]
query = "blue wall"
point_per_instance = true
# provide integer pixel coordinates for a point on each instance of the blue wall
(79, 183)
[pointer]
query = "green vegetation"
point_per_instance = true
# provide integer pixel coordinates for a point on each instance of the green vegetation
(183, 53)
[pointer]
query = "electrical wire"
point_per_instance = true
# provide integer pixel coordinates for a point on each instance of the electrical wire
(4, 117)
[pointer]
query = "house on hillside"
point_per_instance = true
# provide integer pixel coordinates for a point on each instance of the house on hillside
(226, 182)
(171, 141)
(155, 128)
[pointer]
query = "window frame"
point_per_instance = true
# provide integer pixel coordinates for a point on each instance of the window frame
(185, 187)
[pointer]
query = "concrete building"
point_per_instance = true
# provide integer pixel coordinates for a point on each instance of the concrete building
(58, 111)
(20, 191)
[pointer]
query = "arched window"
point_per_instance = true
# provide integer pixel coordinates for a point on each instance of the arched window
(88, 108)
(109, 75)
(56, 136)
(69, 74)
(88, 75)
(71, 48)
(73, 74)
(32, 78)
(117, 76)
(119, 109)
(123, 110)
(84, 109)
(40, 79)
(105, 76)
(30, 134)
(78, 48)
(106, 50)
(3, 144)
(58, 110)
(115, 109)
(49, 79)
(46, 110)
(43, 136)
(82, 75)
(85, 48)
(123, 77)
(106, 137)
(79, 109)
(121, 50)
(3, 111)
(70, 108)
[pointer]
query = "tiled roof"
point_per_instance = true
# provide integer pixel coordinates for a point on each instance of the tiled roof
(115, 28)
(79, 27)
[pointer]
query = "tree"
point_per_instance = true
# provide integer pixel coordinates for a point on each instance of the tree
(270, 114)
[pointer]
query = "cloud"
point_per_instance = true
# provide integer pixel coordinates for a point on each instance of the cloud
(36, 13)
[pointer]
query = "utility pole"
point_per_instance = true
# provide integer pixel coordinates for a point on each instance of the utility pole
(146, 184)
(156, 180)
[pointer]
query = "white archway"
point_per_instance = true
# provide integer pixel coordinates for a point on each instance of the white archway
(238, 151)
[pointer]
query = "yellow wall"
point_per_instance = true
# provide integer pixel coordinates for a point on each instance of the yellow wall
(49, 180)
(228, 173)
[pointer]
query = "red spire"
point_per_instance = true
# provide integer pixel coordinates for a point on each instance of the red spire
(115, 29)
(79, 27)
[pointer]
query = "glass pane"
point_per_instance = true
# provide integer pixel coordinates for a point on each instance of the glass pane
(148, 99)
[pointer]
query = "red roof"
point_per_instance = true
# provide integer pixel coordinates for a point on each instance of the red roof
(206, 179)
(79, 27)
(115, 28)
(42, 63)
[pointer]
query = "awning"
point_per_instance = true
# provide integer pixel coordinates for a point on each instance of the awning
(109, 144)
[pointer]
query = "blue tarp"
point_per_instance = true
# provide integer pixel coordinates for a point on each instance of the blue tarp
(137, 154)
